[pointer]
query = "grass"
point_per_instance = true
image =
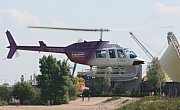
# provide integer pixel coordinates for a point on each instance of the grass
(125, 101)
(153, 103)
(112, 99)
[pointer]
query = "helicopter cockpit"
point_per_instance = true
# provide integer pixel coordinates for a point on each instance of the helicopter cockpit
(130, 53)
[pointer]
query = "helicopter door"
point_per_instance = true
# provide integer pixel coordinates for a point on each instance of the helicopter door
(101, 58)
(122, 58)
(112, 57)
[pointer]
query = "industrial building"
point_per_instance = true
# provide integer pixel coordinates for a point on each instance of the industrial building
(131, 77)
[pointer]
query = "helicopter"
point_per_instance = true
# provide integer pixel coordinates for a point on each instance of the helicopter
(93, 53)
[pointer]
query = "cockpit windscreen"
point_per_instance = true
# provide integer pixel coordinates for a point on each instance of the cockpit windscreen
(130, 53)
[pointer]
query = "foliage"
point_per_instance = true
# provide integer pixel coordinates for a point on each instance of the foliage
(72, 90)
(80, 82)
(125, 101)
(56, 82)
(73, 98)
(111, 99)
(86, 92)
(2, 103)
(92, 89)
(155, 74)
(99, 94)
(5, 93)
(103, 82)
(23, 91)
(118, 88)
(153, 103)
(36, 98)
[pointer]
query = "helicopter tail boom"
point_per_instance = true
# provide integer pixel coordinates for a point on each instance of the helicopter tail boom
(13, 46)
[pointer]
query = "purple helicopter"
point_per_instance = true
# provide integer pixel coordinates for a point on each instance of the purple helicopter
(94, 53)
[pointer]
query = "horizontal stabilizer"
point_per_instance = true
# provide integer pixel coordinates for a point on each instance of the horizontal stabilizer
(11, 53)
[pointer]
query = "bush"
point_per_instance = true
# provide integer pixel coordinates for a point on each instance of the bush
(118, 88)
(73, 98)
(2, 103)
(86, 92)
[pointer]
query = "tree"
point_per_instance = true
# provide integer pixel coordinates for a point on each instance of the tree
(80, 82)
(118, 88)
(23, 91)
(155, 74)
(36, 98)
(55, 80)
(103, 82)
(72, 90)
(5, 93)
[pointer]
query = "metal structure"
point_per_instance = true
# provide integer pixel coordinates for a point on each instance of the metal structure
(171, 38)
(141, 46)
(74, 68)
(170, 60)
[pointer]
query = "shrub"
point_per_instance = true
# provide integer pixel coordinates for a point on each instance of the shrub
(118, 88)
(2, 103)
(86, 92)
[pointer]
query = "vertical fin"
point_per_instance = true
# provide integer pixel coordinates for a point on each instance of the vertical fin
(12, 46)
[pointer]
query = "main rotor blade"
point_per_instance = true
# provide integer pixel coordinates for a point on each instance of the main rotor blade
(73, 29)
(139, 28)
(101, 30)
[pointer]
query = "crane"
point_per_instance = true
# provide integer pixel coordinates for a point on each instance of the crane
(142, 47)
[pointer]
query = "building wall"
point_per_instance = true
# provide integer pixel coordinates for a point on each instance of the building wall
(136, 83)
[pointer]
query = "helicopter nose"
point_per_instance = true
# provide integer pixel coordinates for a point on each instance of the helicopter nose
(138, 61)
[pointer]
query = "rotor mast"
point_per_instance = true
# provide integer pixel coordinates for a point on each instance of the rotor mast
(101, 31)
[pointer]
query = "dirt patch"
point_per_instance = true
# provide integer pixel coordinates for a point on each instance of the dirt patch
(95, 103)
(117, 103)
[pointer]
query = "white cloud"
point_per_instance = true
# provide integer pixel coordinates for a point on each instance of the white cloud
(165, 11)
(21, 18)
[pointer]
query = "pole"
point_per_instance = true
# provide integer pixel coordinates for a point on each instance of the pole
(25, 77)
(160, 87)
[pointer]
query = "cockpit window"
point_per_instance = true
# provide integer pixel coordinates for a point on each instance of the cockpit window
(130, 53)
(101, 54)
(112, 53)
(121, 54)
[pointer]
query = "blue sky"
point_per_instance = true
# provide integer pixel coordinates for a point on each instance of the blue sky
(17, 15)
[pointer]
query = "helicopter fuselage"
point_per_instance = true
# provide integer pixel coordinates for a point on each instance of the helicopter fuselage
(93, 53)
